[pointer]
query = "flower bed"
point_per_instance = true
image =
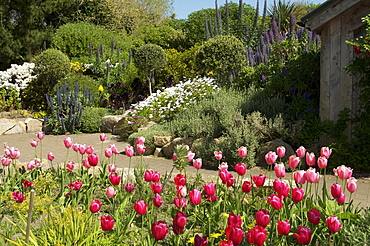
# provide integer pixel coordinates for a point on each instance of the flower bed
(92, 202)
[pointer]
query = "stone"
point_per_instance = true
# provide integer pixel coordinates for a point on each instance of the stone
(108, 122)
(161, 141)
(149, 150)
(158, 152)
(18, 128)
(271, 146)
(33, 125)
(169, 148)
(147, 125)
(6, 125)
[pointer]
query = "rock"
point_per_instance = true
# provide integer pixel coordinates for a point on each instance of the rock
(161, 141)
(158, 152)
(6, 125)
(149, 150)
(169, 148)
(18, 128)
(271, 146)
(108, 122)
(147, 125)
(33, 125)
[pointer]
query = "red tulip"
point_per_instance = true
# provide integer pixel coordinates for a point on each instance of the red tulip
(270, 157)
(156, 187)
(310, 159)
(279, 170)
(303, 235)
(293, 161)
(343, 172)
(200, 241)
(301, 151)
(240, 169)
(102, 137)
(89, 149)
(242, 151)
(299, 176)
(283, 191)
(257, 235)
(314, 216)
(110, 192)
(341, 199)
(246, 186)
(50, 156)
(77, 185)
(18, 196)
(224, 176)
(210, 189)
(259, 180)
(333, 223)
(157, 200)
(107, 223)
(179, 219)
(336, 190)
(179, 179)
(140, 207)
(281, 151)
(108, 152)
(70, 166)
(226, 243)
(283, 227)
(262, 218)
(312, 176)
(140, 148)
(148, 176)
(129, 151)
(276, 184)
(218, 155)
(93, 159)
(67, 142)
(159, 230)
(322, 162)
(275, 201)
(234, 220)
(156, 176)
(234, 234)
(95, 206)
(197, 163)
(180, 202)
(325, 152)
(114, 178)
(351, 184)
(129, 187)
(297, 194)
(26, 184)
(40, 135)
(195, 196)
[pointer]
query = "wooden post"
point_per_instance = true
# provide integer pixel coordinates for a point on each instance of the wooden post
(32, 196)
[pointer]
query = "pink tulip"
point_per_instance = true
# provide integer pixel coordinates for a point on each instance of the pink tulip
(159, 230)
(5, 161)
(156, 176)
(283, 227)
(301, 151)
(310, 159)
(70, 166)
(303, 235)
(110, 192)
(102, 137)
(129, 187)
(95, 206)
(197, 163)
(333, 223)
(140, 148)
(281, 151)
(322, 162)
(181, 190)
(210, 189)
(218, 155)
(81, 148)
(93, 159)
(156, 187)
(351, 184)
(179, 220)
(157, 200)
(33, 164)
(293, 161)
(67, 142)
(299, 176)
(279, 170)
(51, 156)
(297, 194)
(180, 179)
(89, 149)
(85, 163)
(234, 220)
(275, 201)
(341, 199)
(262, 218)
(259, 180)
(312, 176)
(343, 172)
(114, 178)
(148, 175)
(314, 216)
(190, 155)
(12, 153)
(129, 151)
(140, 140)
(336, 190)
(270, 157)
(246, 186)
(257, 235)
(325, 152)
(108, 152)
(283, 191)
(114, 149)
(40, 135)
(75, 147)
(242, 152)
(34, 143)
(112, 168)
(140, 207)
(195, 196)
(180, 202)
(107, 223)
(18, 196)
(240, 169)
(276, 184)
(223, 166)
(77, 185)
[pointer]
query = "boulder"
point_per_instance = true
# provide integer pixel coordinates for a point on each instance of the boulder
(6, 125)
(161, 141)
(271, 146)
(108, 122)
(169, 148)
(18, 128)
(147, 125)
(158, 152)
(33, 125)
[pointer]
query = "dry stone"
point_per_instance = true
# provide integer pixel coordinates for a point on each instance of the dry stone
(109, 121)
(33, 125)
(6, 125)
(18, 128)
(169, 148)
(161, 141)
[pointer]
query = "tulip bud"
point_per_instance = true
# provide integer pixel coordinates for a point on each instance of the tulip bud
(103, 137)
(195, 196)
(129, 151)
(110, 192)
(242, 152)
(280, 151)
(67, 142)
(279, 170)
(107, 223)
(322, 162)
(270, 157)
(283, 227)
(310, 159)
(333, 223)
(336, 190)
(351, 184)
(95, 206)
(293, 161)
(140, 207)
(301, 151)
(159, 230)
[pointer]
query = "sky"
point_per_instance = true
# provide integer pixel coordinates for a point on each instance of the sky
(184, 7)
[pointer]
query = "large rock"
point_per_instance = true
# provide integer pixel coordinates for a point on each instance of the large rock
(161, 141)
(271, 146)
(109, 121)
(33, 125)
(18, 128)
(168, 149)
(147, 125)
(6, 125)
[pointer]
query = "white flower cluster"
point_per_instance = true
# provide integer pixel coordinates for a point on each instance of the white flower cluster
(17, 76)
(165, 104)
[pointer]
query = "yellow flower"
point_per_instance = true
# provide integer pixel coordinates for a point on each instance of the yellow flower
(215, 235)
(100, 88)
(191, 240)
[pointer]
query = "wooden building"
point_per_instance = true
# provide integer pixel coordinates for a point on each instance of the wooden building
(337, 21)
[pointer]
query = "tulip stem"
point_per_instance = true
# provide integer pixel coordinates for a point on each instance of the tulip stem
(28, 229)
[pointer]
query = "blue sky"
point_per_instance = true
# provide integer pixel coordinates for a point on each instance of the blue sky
(184, 7)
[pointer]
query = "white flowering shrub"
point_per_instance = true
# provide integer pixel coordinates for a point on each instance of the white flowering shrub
(163, 105)
(17, 76)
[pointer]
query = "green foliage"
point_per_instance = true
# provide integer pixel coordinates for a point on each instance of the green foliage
(154, 130)
(91, 119)
(129, 125)
(84, 82)
(9, 99)
(149, 57)
(221, 55)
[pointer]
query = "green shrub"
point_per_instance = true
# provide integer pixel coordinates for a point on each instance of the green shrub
(84, 81)
(155, 130)
(91, 119)
(130, 125)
